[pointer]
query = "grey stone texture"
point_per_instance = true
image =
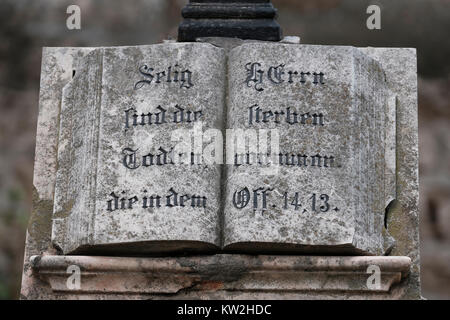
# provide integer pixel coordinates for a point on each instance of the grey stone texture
(402, 217)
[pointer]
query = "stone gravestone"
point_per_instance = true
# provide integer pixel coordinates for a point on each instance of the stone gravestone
(221, 148)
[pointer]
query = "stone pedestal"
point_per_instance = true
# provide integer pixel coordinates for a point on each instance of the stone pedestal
(221, 276)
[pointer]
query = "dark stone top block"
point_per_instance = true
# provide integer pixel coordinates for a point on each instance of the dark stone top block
(244, 19)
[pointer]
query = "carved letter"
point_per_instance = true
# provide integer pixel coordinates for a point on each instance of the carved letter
(276, 73)
(129, 159)
(147, 72)
(255, 75)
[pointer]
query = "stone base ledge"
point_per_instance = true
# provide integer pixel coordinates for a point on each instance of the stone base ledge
(221, 276)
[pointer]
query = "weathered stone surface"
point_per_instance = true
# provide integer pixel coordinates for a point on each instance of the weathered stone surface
(327, 187)
(56, 71)
(223, 276)
(400, 66)
(119, 117)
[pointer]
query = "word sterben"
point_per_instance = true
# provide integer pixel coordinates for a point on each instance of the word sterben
(278, 75)
(171, 76)
(258, 115)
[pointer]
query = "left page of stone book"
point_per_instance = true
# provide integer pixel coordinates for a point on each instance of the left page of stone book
(129, 180)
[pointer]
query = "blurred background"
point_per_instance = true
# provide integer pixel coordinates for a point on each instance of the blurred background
(28, 25)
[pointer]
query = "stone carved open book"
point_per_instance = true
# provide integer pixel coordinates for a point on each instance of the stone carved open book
(268, 147)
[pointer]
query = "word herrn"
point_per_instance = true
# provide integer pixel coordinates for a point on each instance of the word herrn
(278, 75)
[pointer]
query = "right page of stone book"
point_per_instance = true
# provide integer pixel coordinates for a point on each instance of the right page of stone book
(307, 148)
